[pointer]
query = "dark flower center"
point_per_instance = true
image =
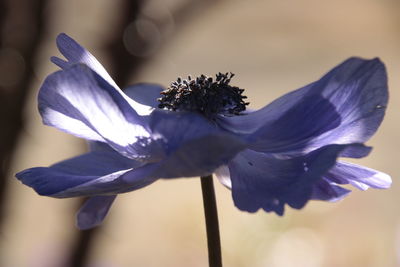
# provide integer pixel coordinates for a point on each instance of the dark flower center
(204, 95)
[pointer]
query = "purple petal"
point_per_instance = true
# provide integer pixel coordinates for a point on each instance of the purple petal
(345, 106)
(80, 102)
(328, 191)
(224, 176)
(194, 145)
(356, 151)
(359, 176)
(93, 211)
(94, 170)
(145, 94)
(75, 53)
(114, 183)
(188, 157)
(61, 62)
(260, 180)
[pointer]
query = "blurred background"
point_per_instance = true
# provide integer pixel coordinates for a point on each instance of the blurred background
(273, 46)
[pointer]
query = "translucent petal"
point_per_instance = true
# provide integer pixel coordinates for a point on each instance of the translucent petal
(263, 181)
(80, 102)
(359, 176)
(98, 169)
(345, 106)
(93, 211)
(145, 93)
(223, 175)
(328, 191)
(194, 145)
(76, 54)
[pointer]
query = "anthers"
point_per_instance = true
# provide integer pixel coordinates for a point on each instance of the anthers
(205, 95)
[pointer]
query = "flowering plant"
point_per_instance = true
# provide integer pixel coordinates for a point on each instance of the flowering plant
(284, 153)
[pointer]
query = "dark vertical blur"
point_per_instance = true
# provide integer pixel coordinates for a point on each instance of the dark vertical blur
(122, 62)
(22, 24)
(140, 34)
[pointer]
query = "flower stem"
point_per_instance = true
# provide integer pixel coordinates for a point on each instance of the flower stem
(211, 216)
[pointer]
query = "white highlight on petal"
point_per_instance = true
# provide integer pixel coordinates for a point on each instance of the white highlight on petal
(358, 185)
(362, 177)
(75, 53)
(224, 176)
(76, 101)
(141, 109)
(65, 123)
(92, 187)
(381, 180)
(106, 118)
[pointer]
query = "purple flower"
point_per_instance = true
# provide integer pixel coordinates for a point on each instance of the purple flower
(284, 153)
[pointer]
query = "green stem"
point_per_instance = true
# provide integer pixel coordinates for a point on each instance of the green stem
(211, 216)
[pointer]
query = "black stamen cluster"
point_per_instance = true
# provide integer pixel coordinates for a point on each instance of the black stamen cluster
(204, 95)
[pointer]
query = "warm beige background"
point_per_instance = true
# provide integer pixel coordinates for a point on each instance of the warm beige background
(273, 47)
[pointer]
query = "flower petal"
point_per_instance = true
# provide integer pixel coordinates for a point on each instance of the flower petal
(323, 190)
(359, 176)
(224, 176)
(115, 183)
(260, 180)
(93, 211)
(97, 167)
(145, 93)
(345, 106)
(80, 102)
(194, 146)
(328, 191)
(63, 64)
(76, 54)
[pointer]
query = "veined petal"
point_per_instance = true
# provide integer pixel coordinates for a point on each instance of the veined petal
(76, 54)
(359, 176)
(260, 180)
(93, 211)
(80, 102)
(345, 106)
(324, 189)
(97, 168)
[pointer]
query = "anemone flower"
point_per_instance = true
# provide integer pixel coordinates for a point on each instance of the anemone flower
(284, 153)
